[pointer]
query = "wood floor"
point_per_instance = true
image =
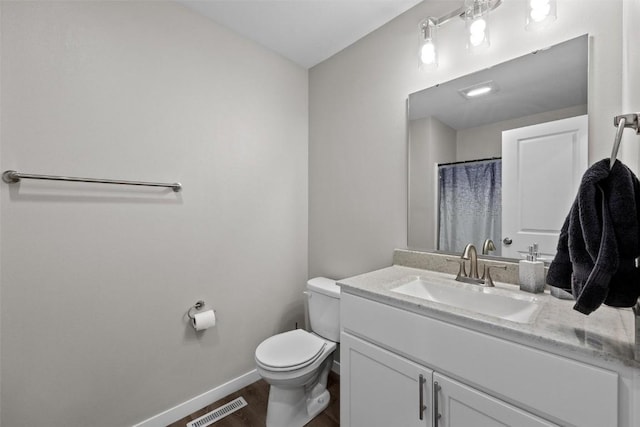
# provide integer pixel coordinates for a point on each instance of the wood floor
(254, 414)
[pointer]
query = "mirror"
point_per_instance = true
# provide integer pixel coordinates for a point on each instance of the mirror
(504, 164)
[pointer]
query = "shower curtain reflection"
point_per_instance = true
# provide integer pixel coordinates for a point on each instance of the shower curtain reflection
(470, 204)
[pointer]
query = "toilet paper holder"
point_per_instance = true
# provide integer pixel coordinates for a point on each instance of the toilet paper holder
(197, 306)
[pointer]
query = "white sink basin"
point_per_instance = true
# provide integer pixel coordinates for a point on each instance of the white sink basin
(494, 302)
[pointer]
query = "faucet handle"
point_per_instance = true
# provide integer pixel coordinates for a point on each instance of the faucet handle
(486, 274)
(462, 272)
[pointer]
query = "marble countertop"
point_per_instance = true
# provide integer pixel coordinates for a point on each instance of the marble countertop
(606, 335)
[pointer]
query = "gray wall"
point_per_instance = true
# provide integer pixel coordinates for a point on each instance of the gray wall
(96, 280)
(432, 142)
(358, 136)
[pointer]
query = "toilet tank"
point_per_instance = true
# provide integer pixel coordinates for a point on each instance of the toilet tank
(324, 307)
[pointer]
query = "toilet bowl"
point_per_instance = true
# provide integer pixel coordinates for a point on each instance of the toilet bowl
(296, 363)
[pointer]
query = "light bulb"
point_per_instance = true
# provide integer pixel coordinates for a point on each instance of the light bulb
(540, 13)
(476, 39)
(478, 26)
(428, 53)
(540, 9)
(477, 33)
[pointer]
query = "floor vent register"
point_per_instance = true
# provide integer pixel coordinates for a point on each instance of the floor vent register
(218, 414)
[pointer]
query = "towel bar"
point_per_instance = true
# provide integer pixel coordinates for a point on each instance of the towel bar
(11, 177)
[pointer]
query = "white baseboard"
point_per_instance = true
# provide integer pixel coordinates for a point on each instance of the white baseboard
(208, 397)
(336, 367)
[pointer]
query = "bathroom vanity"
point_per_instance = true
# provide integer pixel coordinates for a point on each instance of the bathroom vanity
(416, 353)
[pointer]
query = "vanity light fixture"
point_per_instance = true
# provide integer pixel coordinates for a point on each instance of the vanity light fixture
(428, 51)
(479, 89)
(540, 13)
(476, 13)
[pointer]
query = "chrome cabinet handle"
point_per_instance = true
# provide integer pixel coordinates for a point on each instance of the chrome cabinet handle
(421, 406)
(507, 241)
(436, 413)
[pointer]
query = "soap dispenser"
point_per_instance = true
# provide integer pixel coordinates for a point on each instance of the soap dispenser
(531, 272)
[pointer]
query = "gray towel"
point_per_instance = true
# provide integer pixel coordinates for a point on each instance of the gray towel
(600, 240)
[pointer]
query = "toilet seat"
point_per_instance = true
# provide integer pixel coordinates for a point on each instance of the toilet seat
(289, 351)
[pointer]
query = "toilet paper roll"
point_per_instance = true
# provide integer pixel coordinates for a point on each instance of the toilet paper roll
(204, 320)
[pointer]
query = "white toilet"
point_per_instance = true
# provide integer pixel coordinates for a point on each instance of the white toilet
(296, 363)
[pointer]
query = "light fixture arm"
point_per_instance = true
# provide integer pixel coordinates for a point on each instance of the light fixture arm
(449, 16)
(460, 12)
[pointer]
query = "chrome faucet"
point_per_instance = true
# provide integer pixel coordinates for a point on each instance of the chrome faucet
(471, 254)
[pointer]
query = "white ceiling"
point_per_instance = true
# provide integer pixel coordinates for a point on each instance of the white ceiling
(305, 31)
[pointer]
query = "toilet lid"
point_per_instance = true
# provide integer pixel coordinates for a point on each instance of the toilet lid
(290, 350)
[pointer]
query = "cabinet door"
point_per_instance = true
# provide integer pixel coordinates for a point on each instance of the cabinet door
(462, 406)
(379, 388)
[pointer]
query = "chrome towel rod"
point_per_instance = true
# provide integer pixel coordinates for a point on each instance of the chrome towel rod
(11, 177)
(623, 121)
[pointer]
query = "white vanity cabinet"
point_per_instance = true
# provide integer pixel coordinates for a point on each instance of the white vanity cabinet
(383, 389)
(482, 380)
